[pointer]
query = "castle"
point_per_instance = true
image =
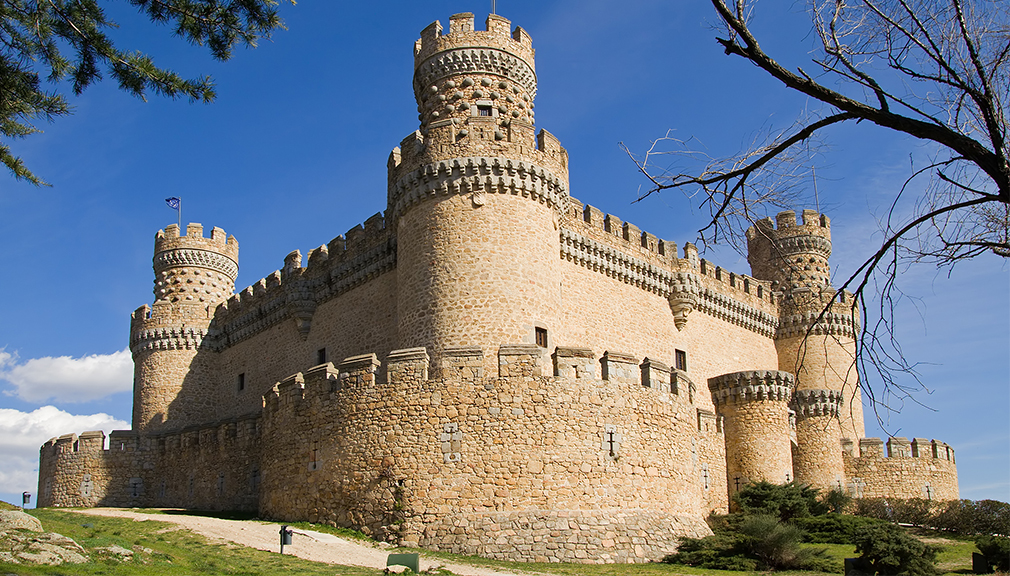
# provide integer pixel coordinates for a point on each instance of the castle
(489, 366)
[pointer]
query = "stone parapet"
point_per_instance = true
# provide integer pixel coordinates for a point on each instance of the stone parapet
(574, 363)
(751, 385)
(916, 469)
(813, 403)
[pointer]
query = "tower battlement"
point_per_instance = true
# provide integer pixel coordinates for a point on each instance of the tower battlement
(192, 268)
(399, 379)
(790, 254)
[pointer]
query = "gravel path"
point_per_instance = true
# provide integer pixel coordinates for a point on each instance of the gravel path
(307, 544)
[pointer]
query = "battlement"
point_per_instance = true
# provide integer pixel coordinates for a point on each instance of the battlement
(192, 269)
(789, 254)
(462, 33)
(814, 403)
(603, 243)
(751, 386)
(363, 253)
(170, 239)
(899, 447)
(465, 363)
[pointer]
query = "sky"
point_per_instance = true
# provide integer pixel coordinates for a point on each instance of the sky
(293, 153)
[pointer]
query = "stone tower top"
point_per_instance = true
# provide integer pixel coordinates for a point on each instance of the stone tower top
(194, 269)
(791, 255)
(465, 72)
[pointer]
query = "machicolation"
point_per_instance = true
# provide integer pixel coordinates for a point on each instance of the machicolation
(489, 356)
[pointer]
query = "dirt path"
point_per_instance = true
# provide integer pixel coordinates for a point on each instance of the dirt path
(307, 544)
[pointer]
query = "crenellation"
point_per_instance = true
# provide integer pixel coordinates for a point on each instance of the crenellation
(408, 366)
(574, 363)
(520, 360)
(358, 371)
(481, 247)
(464, 363)
(620, 367)
(462, 22)
(899, 447)
(871, 448)
(655, 374)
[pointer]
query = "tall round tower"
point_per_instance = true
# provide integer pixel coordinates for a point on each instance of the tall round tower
(475, 195)
(755, 408)
(819, 351)
(193, 275)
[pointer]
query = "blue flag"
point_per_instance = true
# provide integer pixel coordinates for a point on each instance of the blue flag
(173, 202)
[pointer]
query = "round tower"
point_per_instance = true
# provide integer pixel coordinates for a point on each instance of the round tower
(475, 195)
(193, 275)
(755, 407)
(820, 352)
(817, 454)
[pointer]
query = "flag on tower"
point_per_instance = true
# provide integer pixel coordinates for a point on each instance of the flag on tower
(175, 203)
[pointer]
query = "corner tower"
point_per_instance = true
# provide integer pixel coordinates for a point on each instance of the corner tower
(193, 275)
(820, 351)
(475, 195)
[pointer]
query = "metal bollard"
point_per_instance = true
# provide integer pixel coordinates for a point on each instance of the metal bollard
(285, 537)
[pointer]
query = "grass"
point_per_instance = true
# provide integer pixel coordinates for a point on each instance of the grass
(180, 552)
(171, 551)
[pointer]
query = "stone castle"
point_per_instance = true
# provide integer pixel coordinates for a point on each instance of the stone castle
(489, 366)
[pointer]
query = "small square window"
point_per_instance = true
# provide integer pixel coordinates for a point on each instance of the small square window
(241, 382)
(541, 337)
(483, 110)
(681, 358)
(321, 356)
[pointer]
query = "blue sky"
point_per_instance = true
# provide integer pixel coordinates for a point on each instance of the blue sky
(293, 153)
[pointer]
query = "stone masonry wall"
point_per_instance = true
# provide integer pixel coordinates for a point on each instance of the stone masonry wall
(918, 469)
(210, 468)
(561, 468)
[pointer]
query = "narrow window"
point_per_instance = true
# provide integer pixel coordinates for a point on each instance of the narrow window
(681, 358)
(241, 382)
(541, 337)
(483, 110)
(321, 356)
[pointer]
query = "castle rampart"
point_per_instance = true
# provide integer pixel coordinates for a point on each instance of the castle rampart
(415, 459)
(918, 469)
(448, 416)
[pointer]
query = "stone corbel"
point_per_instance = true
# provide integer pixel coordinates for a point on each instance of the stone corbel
(682, 304)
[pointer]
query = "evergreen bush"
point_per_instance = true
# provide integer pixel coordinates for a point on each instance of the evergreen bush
(887, 549)
(996, 550)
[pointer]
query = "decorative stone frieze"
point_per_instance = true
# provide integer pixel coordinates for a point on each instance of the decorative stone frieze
(751, 385)
(810, 403)
(167, 338)
(477, 174)
(195, 257)
(475, 60)
(831, 323)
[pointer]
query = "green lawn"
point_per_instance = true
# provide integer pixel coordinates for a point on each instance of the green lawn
(180, 552)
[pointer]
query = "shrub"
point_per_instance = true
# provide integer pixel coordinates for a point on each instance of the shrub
(784, 501)
(777, 544)
(887, 549)
(834, 528)
(751, 542)
(836, 500)
(996, 550)
(718, 552)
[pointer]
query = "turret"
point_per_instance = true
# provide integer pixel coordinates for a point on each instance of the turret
(755, 408)
(818, 350)
(475, 196)
(193, 275)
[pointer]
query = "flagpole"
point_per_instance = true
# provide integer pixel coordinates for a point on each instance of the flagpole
(179, 212)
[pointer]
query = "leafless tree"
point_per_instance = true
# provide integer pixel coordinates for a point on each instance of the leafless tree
(932, 69)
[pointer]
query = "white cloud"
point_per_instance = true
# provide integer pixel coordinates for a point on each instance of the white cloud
(65, 379)
(22, 433)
